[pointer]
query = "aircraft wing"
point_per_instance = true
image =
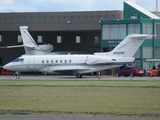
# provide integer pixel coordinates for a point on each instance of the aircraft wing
(15, 46)
(68, 69)
(73, 69)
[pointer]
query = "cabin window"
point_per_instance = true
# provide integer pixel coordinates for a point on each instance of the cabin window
(51, 61)
(70, 61)
(65, 61)
(0, 38)
(19, 38)
(78, 39)
(56, 61)
(60, 61)
(42, 61)
(40, 39)
(18, 60)
(21, 59)
(59, 39)
(47, 61)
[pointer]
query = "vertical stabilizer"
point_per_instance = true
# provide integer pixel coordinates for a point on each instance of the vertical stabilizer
(129, 46)
(27, 38)
(31, 46)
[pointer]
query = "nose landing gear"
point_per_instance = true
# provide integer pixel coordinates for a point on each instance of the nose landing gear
(17, 74)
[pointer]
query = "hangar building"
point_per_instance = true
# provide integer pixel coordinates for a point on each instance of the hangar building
(136, 20)
(67, 31)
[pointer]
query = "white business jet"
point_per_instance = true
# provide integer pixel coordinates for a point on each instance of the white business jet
(46, 62)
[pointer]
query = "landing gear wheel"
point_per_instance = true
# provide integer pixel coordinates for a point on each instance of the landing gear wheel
(131, 75)
(17, 74)
(117, 75)
(78, 76)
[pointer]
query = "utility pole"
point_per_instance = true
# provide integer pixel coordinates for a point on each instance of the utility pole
(156, 7)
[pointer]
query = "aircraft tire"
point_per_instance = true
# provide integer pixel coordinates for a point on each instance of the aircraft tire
(117, 75)
(131, 75)
(78, 76)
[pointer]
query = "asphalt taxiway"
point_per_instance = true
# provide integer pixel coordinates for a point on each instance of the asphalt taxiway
(71, 77)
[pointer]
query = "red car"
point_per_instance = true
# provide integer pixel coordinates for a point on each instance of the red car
(130, 71)
(6, 72)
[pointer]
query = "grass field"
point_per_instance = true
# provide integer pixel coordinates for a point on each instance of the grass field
(90, 98)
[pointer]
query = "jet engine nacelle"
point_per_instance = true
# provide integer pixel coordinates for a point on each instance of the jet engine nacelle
(98, 60)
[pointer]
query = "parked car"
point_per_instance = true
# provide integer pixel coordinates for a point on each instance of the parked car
(5, 72)
(130, 71)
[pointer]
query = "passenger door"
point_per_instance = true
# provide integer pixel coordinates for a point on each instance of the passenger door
(31, 64)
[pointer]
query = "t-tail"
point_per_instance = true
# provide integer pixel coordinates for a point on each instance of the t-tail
(128, 47)
(31, 46)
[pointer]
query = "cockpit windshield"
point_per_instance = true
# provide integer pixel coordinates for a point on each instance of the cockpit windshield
(18, 60)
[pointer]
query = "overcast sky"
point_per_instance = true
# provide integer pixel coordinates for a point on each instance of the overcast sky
(70, 5)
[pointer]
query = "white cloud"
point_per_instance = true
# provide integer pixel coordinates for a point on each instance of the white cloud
(7, 2)
(15, 6)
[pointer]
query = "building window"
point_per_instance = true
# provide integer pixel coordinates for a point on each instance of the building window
(147, 52)
(157, 52)
(147, 64)
(137, 54)
(0, 38)
(113, 31)
(96, 39)
(78, 39)
(147, 28)
(157, 31)
(133, 28)
(122, 31)
(40, 39)
(59, 39)
(19, 38)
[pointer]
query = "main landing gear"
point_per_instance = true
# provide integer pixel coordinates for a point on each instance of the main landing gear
(98, 75)
(78, 76)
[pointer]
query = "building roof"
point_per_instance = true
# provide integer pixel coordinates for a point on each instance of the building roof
(144, 11)
(57, 21)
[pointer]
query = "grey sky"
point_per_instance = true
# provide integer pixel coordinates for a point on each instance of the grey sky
(69, 5)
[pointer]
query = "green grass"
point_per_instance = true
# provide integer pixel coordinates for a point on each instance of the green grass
(86, 83)
(98, 98)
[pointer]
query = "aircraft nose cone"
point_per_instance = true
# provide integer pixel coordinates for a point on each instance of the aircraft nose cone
(6, 67)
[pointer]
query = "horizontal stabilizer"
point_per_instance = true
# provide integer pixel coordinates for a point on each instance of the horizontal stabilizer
(15, 46)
